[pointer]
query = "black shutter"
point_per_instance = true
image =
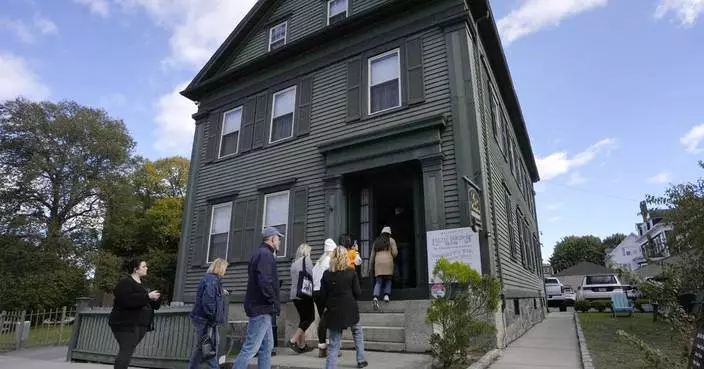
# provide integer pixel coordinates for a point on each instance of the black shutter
(260, 136)
(298, 212)
(237, 241)
(200, 243)
(414, 70)
(252, 229)
(354, 89)
(305, 95)
(247, 131)
(213, 138)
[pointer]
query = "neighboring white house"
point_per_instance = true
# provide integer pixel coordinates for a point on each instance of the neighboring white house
(547, 270)
(628, 254)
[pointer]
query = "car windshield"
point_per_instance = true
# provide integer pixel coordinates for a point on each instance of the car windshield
(601, 279)
(551, 281)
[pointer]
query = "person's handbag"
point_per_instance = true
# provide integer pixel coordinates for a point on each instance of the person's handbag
(305, 283)
(207, 346)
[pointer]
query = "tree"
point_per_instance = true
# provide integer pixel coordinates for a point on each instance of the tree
(612, 241)
(573, 250)
(54, 160)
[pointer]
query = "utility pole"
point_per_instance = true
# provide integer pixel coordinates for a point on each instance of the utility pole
(650, 250)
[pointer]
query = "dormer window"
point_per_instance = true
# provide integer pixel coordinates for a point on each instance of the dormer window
(337, 10)
(277, 36)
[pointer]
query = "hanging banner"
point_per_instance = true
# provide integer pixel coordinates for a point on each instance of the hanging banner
(457, 244)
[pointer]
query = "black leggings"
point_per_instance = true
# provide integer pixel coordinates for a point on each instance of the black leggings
(127, 338)
(322, 327)
(306, 312)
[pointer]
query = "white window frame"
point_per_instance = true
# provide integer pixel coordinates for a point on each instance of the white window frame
(222, 131)
(273, 106)
(271, 31)
(282, 251)
(347, 11)
(210, 229)
(396, 51)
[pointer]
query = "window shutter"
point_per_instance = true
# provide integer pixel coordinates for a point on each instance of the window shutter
(237, 241)
(298, 213)
(200, 243)
(354, 89)
(213, 138)
(260, 123)
(252, 227)
(414, 70)
(305, 95)
(247, 131)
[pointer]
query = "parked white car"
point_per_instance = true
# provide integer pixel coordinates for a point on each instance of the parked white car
(599, 287)
(554, 290)
(569, 295)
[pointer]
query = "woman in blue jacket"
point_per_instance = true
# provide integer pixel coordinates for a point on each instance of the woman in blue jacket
(209, 310)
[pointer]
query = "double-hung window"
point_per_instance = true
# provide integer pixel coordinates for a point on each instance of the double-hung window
(282, 115)
(276, 214)
(277, 36)
(337, 10)
(496, 118)
(384, 81)
(230, 135)
(221, 215)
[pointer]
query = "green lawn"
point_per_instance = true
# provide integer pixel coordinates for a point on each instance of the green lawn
(44, 335)
(608, 351)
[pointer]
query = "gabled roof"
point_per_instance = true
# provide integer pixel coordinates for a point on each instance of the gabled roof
(630, 240)
(584, 268)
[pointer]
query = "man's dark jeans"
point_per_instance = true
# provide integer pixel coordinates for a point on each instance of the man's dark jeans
(128, 338)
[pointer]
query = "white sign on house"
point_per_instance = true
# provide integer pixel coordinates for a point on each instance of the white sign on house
(457, 244)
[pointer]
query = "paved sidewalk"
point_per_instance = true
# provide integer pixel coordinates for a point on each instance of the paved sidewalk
(551, 344)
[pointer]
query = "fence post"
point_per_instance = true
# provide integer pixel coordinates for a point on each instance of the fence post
(19, 330)
(61, 327)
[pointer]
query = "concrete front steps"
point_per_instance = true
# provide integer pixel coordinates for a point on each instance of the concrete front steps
(384, 330)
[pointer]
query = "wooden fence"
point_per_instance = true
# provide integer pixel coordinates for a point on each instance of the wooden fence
(168, 346)
(25, 329)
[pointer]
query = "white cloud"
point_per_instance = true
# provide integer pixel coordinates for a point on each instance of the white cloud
(197, 27)
(686, 11)
(663, 177)
(533, 15)
(555, 206)
(576, 179)
(98, 7)
(554, 219)
(45, 26)
(692, 139)
(19, 80)
(559, 163)
(175, 126)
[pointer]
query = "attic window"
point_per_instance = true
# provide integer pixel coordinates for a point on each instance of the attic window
(277, 36)
(337, 10)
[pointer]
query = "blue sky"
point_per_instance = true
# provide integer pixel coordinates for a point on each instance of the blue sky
(611, 90)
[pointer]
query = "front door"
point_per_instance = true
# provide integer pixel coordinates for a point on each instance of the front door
(390, 196)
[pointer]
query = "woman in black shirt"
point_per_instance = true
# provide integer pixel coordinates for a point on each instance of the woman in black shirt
(132, 313)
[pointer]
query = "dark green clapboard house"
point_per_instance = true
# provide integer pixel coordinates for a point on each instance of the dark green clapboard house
(324, 117)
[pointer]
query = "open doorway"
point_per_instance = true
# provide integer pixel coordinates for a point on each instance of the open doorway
(390, 196)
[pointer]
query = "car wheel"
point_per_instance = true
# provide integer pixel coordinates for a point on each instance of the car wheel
(563, 308)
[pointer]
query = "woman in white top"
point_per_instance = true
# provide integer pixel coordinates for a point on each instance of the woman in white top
(320, 267)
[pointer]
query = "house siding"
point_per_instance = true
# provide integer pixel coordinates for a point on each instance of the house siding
(300, 159)
(304, 17)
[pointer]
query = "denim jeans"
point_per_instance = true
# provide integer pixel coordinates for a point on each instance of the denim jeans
(259, 340)
(196, 360)
(335, 336)
(382, 282)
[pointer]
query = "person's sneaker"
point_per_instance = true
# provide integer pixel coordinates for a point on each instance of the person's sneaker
(322, 352)
(294, 347)
(386, 298)
(375, 303)
(362, 364)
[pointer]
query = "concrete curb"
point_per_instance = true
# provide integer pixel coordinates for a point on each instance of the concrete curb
(583, 350)
(487, 359)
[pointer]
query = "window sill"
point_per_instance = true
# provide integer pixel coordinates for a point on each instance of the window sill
(368, 117)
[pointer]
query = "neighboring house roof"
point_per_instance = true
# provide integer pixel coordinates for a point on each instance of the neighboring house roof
(584, 268)
(210, 77)
(630, 240)
(654, 268)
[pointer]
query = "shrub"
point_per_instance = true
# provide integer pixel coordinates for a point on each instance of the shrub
(461, 313)
(599, 305)
(582, 305)
(638, 304)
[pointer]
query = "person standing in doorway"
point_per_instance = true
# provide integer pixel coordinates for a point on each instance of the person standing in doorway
(132, 313)
(384, 251)
(209, 310)
(304, 304)
(261, 301)
(340, 291)
(319, 269)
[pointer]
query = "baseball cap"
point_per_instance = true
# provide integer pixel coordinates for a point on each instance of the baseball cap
(270, 232)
